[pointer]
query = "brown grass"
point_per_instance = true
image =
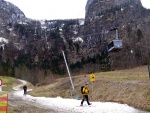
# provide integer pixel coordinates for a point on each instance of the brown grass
(130, 86)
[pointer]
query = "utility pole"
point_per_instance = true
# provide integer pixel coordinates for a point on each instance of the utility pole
(68, 70)
(77, 97)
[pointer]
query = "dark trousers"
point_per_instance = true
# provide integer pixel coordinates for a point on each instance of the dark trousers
(87, 99)
(25, 91)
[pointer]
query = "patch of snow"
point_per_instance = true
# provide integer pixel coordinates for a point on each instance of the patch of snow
(2, 46)
(4, 40)
(2, 31)
(60, 29)
(81, 22)
(78, 39)
(10, 29)
(44, 27)
(62, 25)
(72, 105)
(14, 34)
(22, 23)
(75, 32)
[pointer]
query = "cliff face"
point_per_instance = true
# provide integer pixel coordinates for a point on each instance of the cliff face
(10, 13)
(132, 21)
(97, 7)
(10, 17)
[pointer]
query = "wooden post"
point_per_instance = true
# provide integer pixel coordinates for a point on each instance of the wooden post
(92, 79)
(149, 71)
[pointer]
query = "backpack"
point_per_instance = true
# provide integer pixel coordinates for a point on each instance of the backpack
(82, 89)
(25, 87)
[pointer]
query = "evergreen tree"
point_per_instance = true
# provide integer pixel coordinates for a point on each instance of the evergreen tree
(139, 35)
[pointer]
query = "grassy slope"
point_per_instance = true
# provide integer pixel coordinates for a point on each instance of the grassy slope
(9, 82)
(129, 86)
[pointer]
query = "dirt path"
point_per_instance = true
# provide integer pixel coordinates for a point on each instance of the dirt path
(18, 105)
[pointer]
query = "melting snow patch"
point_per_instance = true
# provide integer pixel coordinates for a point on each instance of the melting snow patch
(4, 40)
(78, 39)
(81, 22)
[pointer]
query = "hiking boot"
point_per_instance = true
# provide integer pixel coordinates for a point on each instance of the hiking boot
(90, 104)
(81, 105)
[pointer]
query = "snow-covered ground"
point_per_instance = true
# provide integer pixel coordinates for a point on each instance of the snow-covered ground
(73, 105)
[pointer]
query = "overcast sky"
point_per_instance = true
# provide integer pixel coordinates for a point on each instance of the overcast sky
(56, 9)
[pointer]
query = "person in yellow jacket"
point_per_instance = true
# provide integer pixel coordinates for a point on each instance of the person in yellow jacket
(85, 95)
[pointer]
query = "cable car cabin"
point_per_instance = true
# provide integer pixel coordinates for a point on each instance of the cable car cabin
(115, 46)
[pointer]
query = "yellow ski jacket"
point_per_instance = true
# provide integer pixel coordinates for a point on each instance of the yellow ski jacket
(85, 91)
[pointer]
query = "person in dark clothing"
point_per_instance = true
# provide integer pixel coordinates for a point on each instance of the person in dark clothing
(85, 95)
(25, 89)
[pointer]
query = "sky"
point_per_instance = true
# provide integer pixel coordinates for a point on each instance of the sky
(51, 9)
(73, 105)
(56, 9)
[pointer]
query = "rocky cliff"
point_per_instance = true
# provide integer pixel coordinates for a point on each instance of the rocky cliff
(132, 21)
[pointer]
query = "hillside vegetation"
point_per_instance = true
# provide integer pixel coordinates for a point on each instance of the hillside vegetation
(8, 83)
(130, 86)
